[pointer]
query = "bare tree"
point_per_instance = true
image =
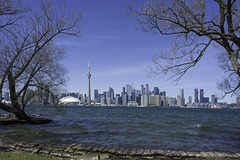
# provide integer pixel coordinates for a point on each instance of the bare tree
(11, 12)
(196, 24)
(30, 61)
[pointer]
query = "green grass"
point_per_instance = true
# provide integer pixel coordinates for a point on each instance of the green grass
(23, 156)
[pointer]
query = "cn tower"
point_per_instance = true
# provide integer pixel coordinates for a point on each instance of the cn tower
(89, 91)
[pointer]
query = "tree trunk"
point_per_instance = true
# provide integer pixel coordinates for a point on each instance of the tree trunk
(21, 115)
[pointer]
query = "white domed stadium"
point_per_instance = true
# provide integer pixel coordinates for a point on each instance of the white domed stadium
(69, 100)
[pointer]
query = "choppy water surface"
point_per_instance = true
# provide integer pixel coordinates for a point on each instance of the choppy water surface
(153, 128)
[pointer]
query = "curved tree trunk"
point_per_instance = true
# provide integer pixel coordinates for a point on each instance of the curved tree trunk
(21, 115)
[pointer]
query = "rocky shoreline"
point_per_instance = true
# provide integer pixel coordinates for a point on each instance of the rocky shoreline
(95, 152)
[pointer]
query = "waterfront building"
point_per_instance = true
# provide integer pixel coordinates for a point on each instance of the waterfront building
(69, 100)
(163, 101)
(105, 94)
(133, 96)
(111, 94)
(138, 99)
(124, 92)
(117, 100)
(145, 100)
(89, 89)
(179, 101)
(190, 100)
(125, 99)
(103, 101)
(182, 93)
(156, 90)
(213, 99)
(81, 98)
(77, 95)
(196, 96)
(205, 99)
(129, 89)
(201, 95)
(6, 96)
(163, 93)
(132, 104)
(142, 90)
(147, 89)
(109, 101)
(96, 96)
(154, 100)
(72, 95)
(171, 101)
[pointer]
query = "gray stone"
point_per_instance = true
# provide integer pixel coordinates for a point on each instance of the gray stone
(127, 152)
(113, 150)
(83, 146)
(88, 148)
(120, 151)
(153, 152)
(91, 157)
(56, 154)
(43, 151)
(104, 156)
(95, 148)
(67, 155)
(160, 152)
(107, 149)
(83, 153)
(72, 145)
(139, 152)
(78, 147)
(146, 152)
(101, 148)
(36, 150)
(133, 152)
(69, 150)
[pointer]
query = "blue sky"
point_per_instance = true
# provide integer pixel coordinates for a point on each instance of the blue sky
(120, 54)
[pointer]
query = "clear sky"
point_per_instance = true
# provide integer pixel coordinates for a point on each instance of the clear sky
(120, 54)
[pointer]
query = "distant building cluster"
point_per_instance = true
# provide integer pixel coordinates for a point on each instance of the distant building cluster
(130, 97)
(147, 98)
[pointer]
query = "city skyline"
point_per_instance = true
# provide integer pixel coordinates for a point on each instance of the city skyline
(121, 55)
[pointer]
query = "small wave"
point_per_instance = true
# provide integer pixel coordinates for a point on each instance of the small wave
(197, 125)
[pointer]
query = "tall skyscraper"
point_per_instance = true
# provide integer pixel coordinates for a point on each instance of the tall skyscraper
(147, 89)
(190, 100)
(196, 96)
(129, 89)
(111, 93)
(213, 99)
(6, 96)
(142, 90)
(89, 91)
(156, 90)
(124, 92)
(96, 96)
(182, 93)
(201, 95)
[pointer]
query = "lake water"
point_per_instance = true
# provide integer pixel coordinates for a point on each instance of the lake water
(177, 129)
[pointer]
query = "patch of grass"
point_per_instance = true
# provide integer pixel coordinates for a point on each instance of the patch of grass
(24, 156)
